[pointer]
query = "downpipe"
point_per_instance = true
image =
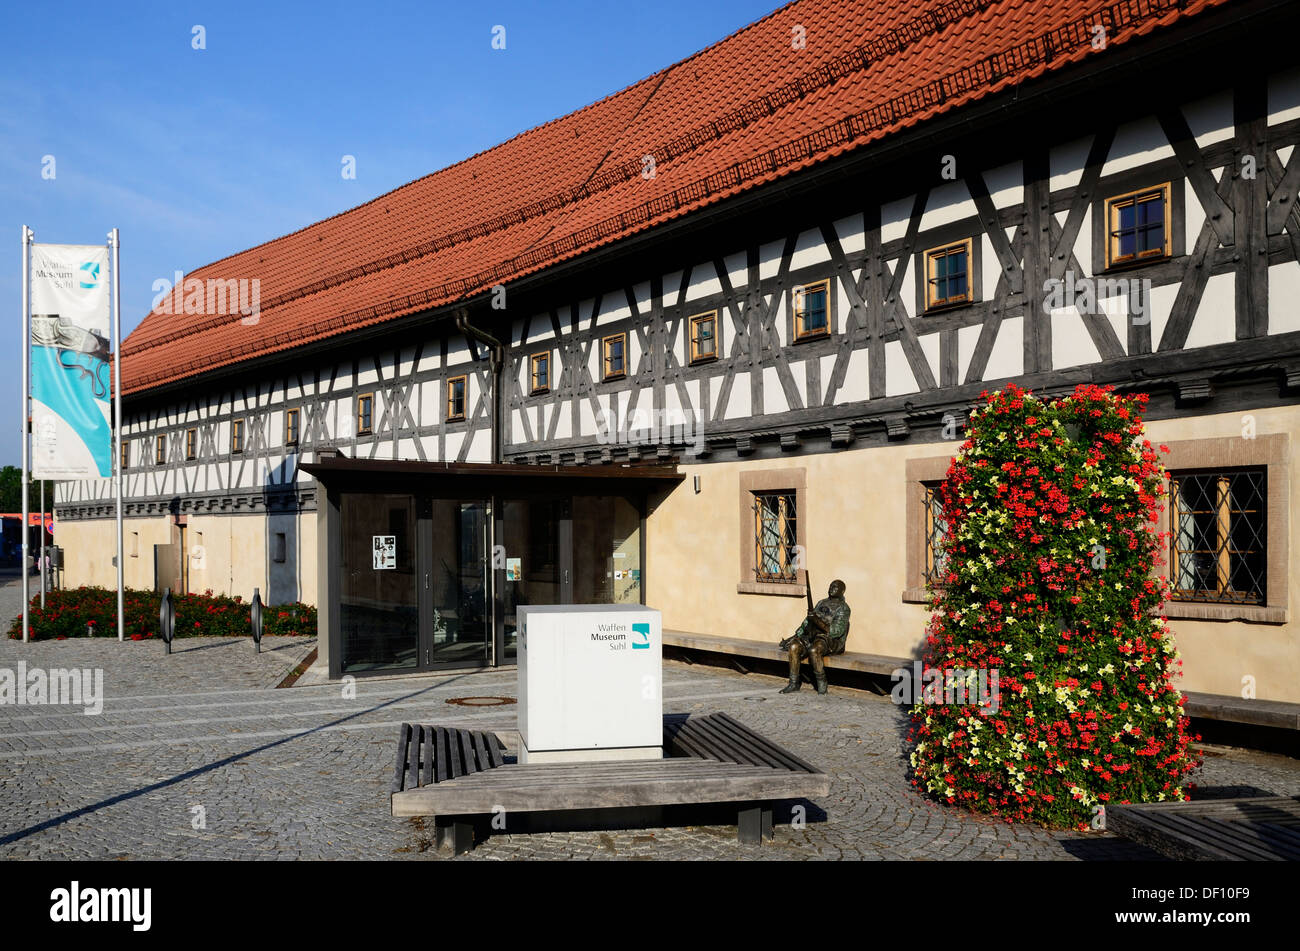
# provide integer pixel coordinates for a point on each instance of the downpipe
(496, 358)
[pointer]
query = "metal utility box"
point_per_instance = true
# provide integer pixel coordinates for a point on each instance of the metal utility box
(590, 682)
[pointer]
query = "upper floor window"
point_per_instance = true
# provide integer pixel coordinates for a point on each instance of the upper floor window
(1137, 226)
(540, 371)
(456, 398)
(126, 454)
(1218, 522)
(237, 436)
(191, 443)
(811, 313)
(775, 536)
(948, 275)
(160, 449)
(614, 356)
(291, 427)
(704, 337)
(365, 413)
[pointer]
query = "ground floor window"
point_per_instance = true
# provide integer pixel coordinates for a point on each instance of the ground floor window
(936, 530)
(776, 520)
(1218, 522)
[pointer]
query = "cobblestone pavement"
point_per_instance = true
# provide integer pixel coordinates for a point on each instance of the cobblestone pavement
(11, 597)
(305, 773)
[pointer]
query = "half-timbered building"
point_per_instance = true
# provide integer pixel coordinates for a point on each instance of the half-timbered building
(727, 324)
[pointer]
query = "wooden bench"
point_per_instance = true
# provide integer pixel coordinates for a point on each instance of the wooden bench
(764, 650)
(454, 775)
(1264, 828)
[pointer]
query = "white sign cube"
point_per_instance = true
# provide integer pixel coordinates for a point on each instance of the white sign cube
(590, 682)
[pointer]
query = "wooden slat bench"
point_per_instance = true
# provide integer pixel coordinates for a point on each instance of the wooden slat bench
(454, 775)
(1258, 829)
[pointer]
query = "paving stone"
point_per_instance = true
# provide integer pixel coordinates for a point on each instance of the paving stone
(303, 773)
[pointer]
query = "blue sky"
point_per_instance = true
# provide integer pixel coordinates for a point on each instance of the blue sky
(195, 154)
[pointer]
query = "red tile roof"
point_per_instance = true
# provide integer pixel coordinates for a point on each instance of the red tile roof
(749, 109)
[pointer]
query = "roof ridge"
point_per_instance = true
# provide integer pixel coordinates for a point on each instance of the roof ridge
(1072, 37)
(933, 20)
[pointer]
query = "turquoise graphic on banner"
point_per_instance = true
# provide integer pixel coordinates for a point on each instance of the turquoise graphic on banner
(77, 399)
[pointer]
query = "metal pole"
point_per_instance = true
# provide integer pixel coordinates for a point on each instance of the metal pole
(117, 427)
(23, 422)
(42, 537)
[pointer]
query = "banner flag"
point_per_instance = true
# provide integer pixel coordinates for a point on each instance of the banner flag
(72, 435)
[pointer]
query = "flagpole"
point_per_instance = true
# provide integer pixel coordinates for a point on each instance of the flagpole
(113, 240)
(42, 537)
(23, 418)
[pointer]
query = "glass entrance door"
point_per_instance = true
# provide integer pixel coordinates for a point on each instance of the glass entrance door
(458, 609)
(536, 537)
(379, 591)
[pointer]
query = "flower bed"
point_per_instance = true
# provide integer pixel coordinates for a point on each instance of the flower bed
(92, 612)
(1049, 580)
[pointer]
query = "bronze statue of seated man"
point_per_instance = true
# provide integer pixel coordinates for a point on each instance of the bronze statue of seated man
(822, 633)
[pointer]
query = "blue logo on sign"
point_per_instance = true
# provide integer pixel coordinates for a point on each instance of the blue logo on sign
(640, 637)
(92, 274)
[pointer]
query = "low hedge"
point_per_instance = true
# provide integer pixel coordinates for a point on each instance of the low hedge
(92, 612)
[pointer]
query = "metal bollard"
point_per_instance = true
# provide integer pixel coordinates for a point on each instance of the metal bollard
(167, 619)
(255, 612)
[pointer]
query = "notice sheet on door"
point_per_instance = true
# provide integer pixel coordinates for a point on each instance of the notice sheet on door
(385, 551)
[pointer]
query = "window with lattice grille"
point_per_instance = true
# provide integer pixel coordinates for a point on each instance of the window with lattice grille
(775, 536)
(936, 529)
(1219, 526)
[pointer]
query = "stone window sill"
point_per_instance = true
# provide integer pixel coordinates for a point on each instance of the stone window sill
(772, 587)
(1202, 611)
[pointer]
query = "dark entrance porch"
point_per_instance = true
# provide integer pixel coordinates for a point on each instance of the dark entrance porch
(422, 566)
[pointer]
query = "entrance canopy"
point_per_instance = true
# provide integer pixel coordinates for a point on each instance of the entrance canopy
(423, 565)
(338, 470)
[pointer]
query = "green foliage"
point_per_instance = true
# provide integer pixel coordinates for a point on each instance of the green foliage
(11, 491)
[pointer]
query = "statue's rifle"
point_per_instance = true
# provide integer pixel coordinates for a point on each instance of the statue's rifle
(812, 611)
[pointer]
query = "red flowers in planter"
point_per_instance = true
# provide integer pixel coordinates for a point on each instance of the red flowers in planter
(79, 612)
(1050, 504)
